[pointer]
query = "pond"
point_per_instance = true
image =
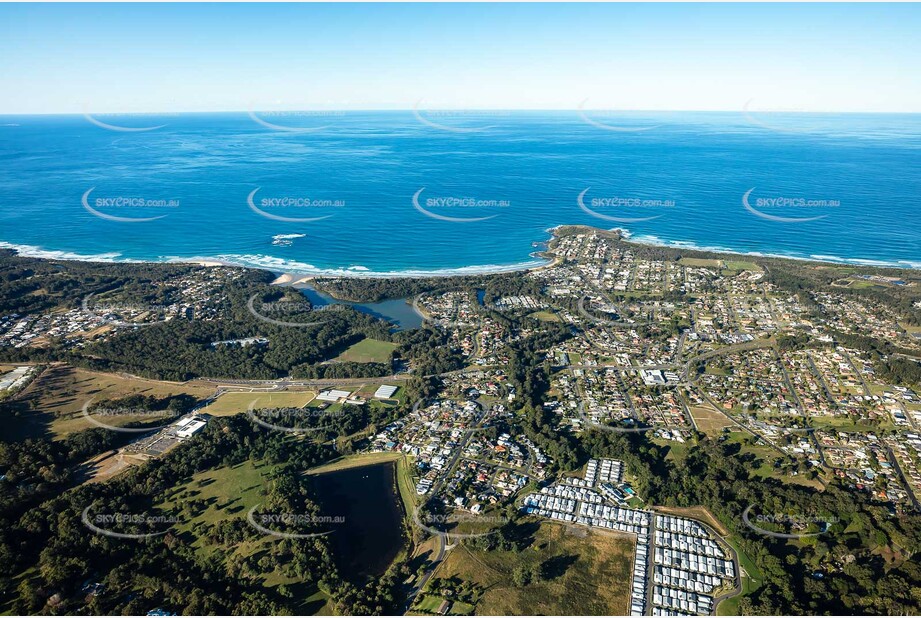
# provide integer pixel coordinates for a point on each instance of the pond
(397, 311)
(372, 532)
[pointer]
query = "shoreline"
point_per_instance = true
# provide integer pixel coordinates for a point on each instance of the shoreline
(287, 276)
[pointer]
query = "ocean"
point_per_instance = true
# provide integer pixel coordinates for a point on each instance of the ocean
(412, 193)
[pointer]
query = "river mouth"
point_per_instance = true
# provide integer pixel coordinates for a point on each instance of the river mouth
(371, 533)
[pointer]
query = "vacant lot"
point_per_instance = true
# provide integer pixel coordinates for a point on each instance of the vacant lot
(546, 316)
(53, 403)
(700, 262)
(229, 404)
(709, 420)
(589, 573)
(368, 351)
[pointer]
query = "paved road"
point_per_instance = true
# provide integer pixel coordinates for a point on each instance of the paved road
(441, 540)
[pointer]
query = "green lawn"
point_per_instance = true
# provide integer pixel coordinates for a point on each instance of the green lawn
(751, 581)
(741, 265)
(229, 493)
(699, 262)
(429, 603)
(235, 403)
(546, 316)
(368, 351)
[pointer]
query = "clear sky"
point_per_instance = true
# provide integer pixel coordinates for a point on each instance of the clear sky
(206, 57)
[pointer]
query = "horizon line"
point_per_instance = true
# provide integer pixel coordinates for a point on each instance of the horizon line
(411, 110)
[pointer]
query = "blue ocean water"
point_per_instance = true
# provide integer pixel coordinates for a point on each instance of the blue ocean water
(335, 192)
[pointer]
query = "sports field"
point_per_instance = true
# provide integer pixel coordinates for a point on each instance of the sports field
(368, 351)
(229, 404)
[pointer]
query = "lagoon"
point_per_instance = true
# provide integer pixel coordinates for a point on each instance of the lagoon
(372, 533)
(397, 311)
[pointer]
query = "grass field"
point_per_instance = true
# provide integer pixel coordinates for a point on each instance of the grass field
(430, 603)
(710, 421)
(765, 458)
(368, 351)
(53, 402)
(845, 424)
(546, 316)
(699, 262)
(751, 581)
(589, 574)
(235, 403)
(228, 493)
(742, 265)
